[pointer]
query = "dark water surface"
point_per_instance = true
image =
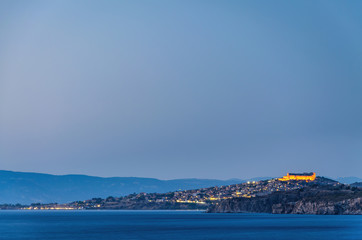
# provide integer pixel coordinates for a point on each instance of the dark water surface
(174, 225)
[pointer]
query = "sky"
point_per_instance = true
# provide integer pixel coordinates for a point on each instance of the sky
(181, 89)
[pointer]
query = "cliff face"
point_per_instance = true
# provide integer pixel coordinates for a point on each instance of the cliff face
(345, 207)
(307, 201)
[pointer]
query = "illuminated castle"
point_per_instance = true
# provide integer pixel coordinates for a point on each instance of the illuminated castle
(299, 176)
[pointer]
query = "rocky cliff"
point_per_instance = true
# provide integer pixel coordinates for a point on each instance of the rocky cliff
(311, 200)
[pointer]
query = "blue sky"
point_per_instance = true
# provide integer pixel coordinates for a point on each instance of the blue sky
(178, 89)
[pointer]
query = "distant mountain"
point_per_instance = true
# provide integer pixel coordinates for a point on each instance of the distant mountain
(26, 188)
(357, 184)
(256, 179)
(348, 180)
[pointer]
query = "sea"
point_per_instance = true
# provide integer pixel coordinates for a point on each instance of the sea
(173, 225)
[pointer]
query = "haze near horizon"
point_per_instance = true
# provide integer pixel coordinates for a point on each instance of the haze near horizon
(180, 89)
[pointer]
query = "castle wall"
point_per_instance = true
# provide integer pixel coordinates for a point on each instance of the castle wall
(289, 177)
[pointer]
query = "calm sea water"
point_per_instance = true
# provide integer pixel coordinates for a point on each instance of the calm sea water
(173, 225)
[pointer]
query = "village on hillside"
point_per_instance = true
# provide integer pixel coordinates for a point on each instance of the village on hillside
(190, 199)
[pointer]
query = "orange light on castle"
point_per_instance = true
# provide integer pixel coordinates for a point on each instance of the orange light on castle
(299, 177)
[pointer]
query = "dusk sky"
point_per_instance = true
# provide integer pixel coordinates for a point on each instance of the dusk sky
(180, 89)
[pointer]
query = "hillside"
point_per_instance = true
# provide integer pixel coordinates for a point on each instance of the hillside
(26, 188)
